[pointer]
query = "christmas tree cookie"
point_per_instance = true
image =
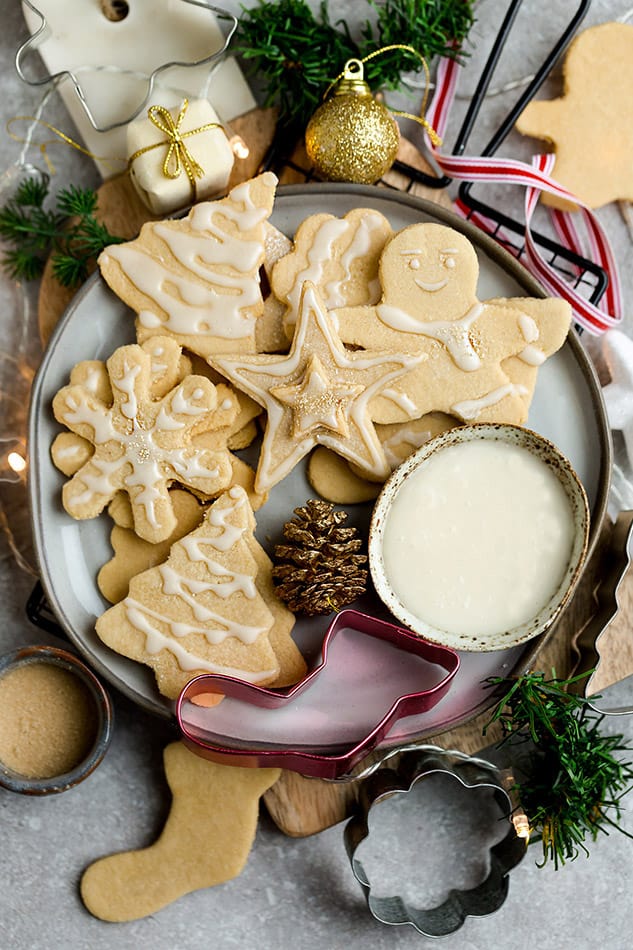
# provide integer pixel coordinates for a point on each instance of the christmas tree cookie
(201, 611)
(198, 278)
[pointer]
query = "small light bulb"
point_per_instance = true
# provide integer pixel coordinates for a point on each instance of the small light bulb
(16, 462)
(240, 148)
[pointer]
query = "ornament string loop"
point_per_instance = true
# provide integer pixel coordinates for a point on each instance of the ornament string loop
(353, 71)
(178, 158)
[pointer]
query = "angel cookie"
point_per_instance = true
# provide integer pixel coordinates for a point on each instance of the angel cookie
(338, 255)
(141, 445)
(317, 394)
(198, 278)
(429, 307)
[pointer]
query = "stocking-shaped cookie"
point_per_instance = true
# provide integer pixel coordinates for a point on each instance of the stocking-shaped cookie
(198, 278)
(430, 308)
(206, 840)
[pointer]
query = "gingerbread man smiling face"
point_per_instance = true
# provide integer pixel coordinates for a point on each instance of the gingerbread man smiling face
(480, 358)
(429, 271)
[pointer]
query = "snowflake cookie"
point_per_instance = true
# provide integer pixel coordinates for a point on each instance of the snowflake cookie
(142, 444)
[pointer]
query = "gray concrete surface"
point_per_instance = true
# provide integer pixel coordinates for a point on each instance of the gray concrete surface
(293, 893)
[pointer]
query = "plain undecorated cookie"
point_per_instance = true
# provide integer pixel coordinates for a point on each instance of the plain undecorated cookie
(207, 839)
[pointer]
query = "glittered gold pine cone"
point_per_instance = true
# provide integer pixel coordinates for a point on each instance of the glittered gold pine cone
(320, 569)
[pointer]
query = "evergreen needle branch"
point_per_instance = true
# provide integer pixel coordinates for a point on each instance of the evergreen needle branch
(70, 233)
(574, 784)
(296, 53)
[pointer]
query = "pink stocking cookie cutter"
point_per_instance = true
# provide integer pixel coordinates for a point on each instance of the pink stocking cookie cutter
(371, 674)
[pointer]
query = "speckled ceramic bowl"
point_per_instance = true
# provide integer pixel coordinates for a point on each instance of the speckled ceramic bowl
(103, 721)
(503, 638)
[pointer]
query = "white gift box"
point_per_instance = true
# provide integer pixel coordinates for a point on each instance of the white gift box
(175, 163)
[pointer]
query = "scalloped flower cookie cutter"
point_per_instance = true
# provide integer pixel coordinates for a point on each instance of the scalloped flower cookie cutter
(473, 773)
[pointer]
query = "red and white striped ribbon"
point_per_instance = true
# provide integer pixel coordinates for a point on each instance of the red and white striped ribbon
(535, 178)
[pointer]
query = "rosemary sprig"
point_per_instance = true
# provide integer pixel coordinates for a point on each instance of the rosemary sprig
(296, 53)
(573, 779)
(70, 233)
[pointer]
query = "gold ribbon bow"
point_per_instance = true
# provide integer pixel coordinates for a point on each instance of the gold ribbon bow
(178, 156)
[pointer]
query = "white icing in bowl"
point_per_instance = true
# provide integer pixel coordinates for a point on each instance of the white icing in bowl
(478, 539)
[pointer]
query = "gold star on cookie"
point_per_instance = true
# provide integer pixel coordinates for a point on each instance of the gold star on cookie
(317, 400)
(317, 394)
(591, 125)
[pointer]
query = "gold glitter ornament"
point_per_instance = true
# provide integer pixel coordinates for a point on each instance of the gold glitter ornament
(352, 136)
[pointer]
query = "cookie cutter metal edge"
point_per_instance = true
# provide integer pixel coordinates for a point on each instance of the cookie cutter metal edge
(313, 761)
(39, 36)
(479, 901)
(615, 563)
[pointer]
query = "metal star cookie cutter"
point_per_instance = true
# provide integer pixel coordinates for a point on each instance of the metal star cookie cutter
(480, 901)
(43, 33)
(371, 674)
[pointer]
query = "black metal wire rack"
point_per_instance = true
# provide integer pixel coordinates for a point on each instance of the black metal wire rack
(586, 276)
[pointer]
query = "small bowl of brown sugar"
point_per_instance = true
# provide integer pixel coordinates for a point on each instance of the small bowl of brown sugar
(55, 720)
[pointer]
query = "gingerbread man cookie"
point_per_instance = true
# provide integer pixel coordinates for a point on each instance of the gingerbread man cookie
(318, 394)
(429, 307)
(591, 124)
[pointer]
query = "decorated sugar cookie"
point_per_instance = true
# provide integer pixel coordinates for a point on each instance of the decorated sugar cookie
(591, 125)
(318, 394)
(429, 308)
(201, 610)
(338, 255)
(198, 278)
(141, 444)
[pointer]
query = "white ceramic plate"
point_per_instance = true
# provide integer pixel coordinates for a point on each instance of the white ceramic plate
(567, 409)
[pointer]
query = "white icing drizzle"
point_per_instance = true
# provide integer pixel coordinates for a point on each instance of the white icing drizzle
(401, 400)
(404, 437)
(218, 307)
(139, 616)
(532, 356)
(318, 254)
(358, 248)
(69, 451)
(96, 482)
(125, 384)
(453, 334)
(91, 382)
(470, 408)
(528, 327)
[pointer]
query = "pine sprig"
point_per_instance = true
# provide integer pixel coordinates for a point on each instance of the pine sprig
(297, 53)
(573, 778)
(69, 233)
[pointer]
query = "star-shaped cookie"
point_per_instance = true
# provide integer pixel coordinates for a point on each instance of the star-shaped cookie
(591, 125)
(317, 394)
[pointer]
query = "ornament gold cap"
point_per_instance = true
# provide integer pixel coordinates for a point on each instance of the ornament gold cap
(352, 81)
